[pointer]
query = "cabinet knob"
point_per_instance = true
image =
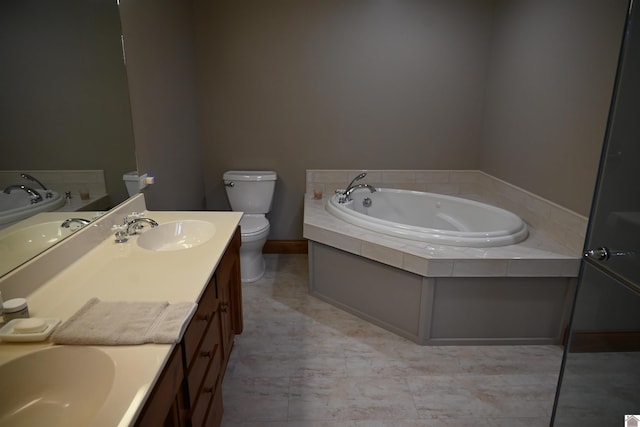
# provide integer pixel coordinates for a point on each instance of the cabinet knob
(208, 390)
(224, 306)
(205, 354)
(204, 317)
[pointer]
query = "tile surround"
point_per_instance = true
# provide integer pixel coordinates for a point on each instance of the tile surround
(61, 180)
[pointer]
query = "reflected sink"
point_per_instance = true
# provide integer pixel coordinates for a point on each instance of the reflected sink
(177, 235)
(22, 244)
(58, 386)
(38, 236)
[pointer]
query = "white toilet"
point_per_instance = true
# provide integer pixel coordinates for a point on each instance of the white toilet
(251, 192)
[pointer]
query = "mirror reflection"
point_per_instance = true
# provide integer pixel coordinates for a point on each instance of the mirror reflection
(65, 122)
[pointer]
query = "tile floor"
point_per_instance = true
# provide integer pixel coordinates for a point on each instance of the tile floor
(302, 362)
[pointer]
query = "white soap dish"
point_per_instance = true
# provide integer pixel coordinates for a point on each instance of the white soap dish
(28, 330)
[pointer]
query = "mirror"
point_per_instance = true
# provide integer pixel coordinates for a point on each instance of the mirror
(65, 101)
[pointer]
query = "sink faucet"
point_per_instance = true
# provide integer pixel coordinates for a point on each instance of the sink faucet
(134, 225)
(347, 194)
(67, 222)
(35, 196)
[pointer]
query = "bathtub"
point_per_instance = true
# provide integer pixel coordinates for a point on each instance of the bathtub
(429, 217)
(17, 205)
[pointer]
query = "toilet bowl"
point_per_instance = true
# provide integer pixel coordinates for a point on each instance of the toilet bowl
(252, 193)
(254, 229)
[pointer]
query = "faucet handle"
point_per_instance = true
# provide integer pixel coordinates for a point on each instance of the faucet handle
(132, 216)
(121, 232)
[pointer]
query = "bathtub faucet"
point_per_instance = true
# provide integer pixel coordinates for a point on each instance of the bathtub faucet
(31, 178)
(347, 194)
(357, 178)
(35, 196)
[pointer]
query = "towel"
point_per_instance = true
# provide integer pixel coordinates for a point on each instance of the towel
(125, 323)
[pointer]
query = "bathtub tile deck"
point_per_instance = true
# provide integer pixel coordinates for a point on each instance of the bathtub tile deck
(530, 258)
(303, 363)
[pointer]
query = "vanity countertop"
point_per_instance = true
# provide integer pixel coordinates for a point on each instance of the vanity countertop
(126, 272)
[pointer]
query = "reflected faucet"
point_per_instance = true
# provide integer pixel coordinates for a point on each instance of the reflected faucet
(35, 196)
(31, 178)
(67, 222)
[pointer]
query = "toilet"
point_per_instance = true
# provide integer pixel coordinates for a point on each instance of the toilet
(251, 192)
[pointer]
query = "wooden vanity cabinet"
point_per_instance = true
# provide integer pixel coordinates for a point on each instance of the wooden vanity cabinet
(202, 356)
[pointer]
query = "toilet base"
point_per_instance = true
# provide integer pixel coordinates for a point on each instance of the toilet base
(252, 268)
(252, 265)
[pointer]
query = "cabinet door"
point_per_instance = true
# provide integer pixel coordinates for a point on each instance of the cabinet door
(164, 404)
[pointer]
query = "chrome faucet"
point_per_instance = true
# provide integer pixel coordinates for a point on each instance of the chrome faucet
(67, 222)
(35, 196)
(357, 178)
(31, 178)
(134, 225)
(347, 194)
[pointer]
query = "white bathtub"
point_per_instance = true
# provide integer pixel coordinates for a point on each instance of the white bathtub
(432, 218)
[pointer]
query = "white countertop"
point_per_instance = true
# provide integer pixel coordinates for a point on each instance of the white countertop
(125, 272)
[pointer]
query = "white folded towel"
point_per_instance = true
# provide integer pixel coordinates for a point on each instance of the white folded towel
(125, 323)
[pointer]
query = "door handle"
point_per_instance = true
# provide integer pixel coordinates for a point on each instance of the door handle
(603, 253)
(600, 254)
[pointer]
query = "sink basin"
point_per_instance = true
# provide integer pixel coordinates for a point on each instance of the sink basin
(37, 236)
(58, 386)
(27, 242)
(177, 235)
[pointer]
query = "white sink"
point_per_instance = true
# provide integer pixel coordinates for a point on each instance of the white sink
(177, 235)
(22, 244)
(57, 386)
(37, 236)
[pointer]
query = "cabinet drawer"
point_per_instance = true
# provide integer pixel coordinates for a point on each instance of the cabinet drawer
(206, 353)
(210, 388)
(207, 308)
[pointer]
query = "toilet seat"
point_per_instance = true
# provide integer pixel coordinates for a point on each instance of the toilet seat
(253, 225)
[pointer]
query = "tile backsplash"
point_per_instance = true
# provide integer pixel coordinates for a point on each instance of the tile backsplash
(562, 225)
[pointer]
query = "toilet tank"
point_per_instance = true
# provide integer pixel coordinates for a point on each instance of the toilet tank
(250, 191)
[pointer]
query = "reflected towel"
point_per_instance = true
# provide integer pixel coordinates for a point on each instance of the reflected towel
(125, 323)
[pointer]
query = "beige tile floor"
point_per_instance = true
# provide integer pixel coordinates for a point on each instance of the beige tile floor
(302, 362)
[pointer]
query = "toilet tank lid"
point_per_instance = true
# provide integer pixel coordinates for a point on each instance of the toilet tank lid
(250, 176)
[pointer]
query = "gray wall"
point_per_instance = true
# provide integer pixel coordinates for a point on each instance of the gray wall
(551, 80)
(518, 88)
(64, 102)
(292, 85)
(160, 54)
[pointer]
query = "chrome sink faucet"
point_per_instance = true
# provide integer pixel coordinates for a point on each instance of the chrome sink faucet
(131, 225)
(35, 196)
(135, 225)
